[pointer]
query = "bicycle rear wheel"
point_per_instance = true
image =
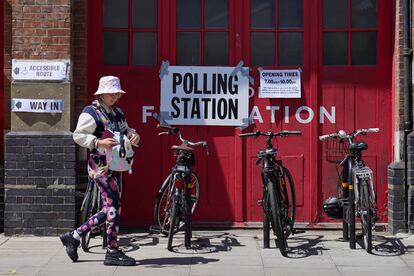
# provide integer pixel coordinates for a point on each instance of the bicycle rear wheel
(276, 218)
(164, 201)
(366, 215)
(352, 238)
(174, 221)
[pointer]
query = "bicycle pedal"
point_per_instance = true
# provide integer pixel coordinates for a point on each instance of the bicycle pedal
(260, 202)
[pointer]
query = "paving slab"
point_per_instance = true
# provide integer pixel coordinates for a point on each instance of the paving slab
(213, 252)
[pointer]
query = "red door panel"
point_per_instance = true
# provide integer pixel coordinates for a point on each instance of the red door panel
(230, 179)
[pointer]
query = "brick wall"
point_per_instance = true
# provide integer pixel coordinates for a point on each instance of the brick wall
(40, 178)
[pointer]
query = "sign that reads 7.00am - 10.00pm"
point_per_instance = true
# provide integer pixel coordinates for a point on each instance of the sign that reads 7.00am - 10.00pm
(279, 84)
(204, 96)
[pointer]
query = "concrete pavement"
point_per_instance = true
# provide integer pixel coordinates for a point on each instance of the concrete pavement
(219, 252)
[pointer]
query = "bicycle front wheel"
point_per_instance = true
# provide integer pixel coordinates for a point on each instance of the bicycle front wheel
(164, 202)
(173, 222)
(276, 218)
(89, 208)
(187, 219)
(366, 216)
(287, 202)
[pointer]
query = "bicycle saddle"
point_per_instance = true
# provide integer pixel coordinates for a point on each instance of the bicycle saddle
(182, 147)
(358, 146)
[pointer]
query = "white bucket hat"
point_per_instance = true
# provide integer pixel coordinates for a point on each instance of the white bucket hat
(109, 85)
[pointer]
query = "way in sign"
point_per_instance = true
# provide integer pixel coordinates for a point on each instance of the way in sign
(41, 105)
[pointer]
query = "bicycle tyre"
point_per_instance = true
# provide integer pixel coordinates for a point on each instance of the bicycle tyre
(352, 238)
(87, 210)
(173, 220)
(266, 231)
(366, 220)
(161, 216)
(187, 220)
(275, 211)
(290, 215)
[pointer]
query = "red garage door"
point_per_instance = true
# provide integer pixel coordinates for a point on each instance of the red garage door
(343, 49)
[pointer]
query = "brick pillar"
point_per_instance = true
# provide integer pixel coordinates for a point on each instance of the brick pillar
(410, 140)
(40, 156)
(396, 198)
(1, 197)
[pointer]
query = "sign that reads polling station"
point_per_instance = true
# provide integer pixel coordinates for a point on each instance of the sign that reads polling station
(204, 96)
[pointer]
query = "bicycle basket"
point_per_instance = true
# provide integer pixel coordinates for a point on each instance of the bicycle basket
(335, 150)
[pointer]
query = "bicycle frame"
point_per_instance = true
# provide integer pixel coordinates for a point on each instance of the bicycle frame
(270, 171)
(354, 170)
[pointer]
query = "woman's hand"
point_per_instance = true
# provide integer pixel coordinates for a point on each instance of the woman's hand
(106, 143)
(133, 138)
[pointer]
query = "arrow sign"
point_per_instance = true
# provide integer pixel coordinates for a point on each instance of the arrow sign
(37, 105)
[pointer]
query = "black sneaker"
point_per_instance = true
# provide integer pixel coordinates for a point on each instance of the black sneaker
(71, 245)
(118, 258)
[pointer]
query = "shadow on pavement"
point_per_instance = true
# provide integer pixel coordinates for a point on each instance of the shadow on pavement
(388, 246)
(224, 242)
(174, 261)
(308, 245)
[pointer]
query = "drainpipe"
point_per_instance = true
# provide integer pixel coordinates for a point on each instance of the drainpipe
(408, 118)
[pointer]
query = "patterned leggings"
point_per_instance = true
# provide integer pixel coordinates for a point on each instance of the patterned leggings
(107, 183)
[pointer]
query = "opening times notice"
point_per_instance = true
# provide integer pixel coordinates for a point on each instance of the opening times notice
(280, 84)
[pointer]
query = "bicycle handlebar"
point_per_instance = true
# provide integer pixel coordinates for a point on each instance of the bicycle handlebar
(343, 135)
(175, 130)
(282, 133)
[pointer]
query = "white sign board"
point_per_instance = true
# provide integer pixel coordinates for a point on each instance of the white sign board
(280, 84)
(40, 70)
(37, 105)
(203, 95)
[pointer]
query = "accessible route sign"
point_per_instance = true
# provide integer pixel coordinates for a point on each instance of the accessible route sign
(40, 70)
(203, 95)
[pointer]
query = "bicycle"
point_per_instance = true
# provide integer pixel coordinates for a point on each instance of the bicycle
(356, 194)
(179, 194)
(279, 199)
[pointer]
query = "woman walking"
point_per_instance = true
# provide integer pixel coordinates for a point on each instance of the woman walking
(94, 124)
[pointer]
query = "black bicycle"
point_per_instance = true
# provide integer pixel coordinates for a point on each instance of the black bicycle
(279, 200)
(356, 194)
(178, 197)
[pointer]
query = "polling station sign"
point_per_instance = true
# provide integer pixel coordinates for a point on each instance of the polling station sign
(201, 95)
(37, 105)
(280, 84)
